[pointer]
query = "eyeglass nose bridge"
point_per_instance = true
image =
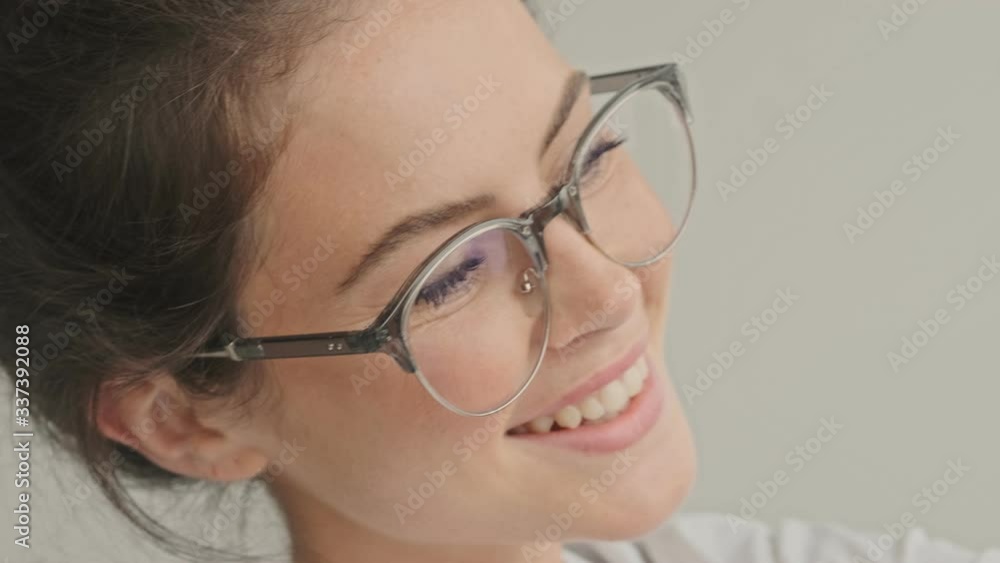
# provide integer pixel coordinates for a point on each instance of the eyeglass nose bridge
(566, 200)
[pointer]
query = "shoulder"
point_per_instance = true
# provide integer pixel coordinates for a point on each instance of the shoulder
(721, 538)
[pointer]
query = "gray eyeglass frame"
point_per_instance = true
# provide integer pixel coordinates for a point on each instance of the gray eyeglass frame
(386, 334)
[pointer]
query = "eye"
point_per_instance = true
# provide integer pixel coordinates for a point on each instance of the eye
(595, 169)
(439, 291)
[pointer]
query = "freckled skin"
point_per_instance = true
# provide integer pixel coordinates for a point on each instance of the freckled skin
(366, 448)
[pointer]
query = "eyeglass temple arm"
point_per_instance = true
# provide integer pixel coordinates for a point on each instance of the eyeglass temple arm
(323, 344)
(616, 81)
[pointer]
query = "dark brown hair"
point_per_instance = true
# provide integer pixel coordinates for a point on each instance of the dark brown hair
(137, 137)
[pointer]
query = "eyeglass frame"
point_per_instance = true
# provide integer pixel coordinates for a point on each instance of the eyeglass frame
(387, 333)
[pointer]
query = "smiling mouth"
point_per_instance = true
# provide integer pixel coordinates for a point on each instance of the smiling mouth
(601, 406)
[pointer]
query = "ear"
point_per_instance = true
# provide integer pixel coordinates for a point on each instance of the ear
(159, 420)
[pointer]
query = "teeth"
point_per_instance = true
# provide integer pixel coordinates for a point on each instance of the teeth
(569, 417)
(541, 424)
(614, 397)
(591, 408)
(634, 377)
(599, 407)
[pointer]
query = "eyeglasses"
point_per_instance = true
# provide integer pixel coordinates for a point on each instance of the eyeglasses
(628, 189)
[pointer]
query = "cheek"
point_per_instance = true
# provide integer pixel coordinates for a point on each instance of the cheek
(358, 418)
(376, 448)
(655, 281)
(482, 358)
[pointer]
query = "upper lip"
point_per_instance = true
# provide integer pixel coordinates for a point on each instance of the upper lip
(595, 382)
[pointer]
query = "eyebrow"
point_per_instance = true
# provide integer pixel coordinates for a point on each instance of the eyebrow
(571, 92)
(413, 225)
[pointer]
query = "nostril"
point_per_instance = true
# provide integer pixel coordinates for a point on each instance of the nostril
(576, 343)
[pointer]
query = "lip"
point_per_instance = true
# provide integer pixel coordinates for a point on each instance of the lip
(616, 434)
(606, 375)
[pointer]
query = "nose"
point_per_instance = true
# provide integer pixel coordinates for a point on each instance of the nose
(589, 293)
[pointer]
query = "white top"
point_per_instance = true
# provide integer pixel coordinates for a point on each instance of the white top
(715, 538)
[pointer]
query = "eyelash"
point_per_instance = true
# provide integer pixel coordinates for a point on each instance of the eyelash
(436, 293)
(599, 151)
(595, 155)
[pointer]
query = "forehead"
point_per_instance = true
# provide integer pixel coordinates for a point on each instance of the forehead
(413, 103)
(394, 76)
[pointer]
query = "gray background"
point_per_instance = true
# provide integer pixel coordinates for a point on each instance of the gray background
(826, 357)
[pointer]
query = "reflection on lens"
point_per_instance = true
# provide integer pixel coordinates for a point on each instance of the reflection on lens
(474, 334)
(636, 178)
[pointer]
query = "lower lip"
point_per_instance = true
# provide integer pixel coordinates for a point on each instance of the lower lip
(616, 434)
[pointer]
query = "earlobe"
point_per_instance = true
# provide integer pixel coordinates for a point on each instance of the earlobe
(158, 420)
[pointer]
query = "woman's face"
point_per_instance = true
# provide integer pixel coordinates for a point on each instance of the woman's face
(475, 88)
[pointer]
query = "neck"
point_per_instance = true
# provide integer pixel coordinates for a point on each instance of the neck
(320, 534)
